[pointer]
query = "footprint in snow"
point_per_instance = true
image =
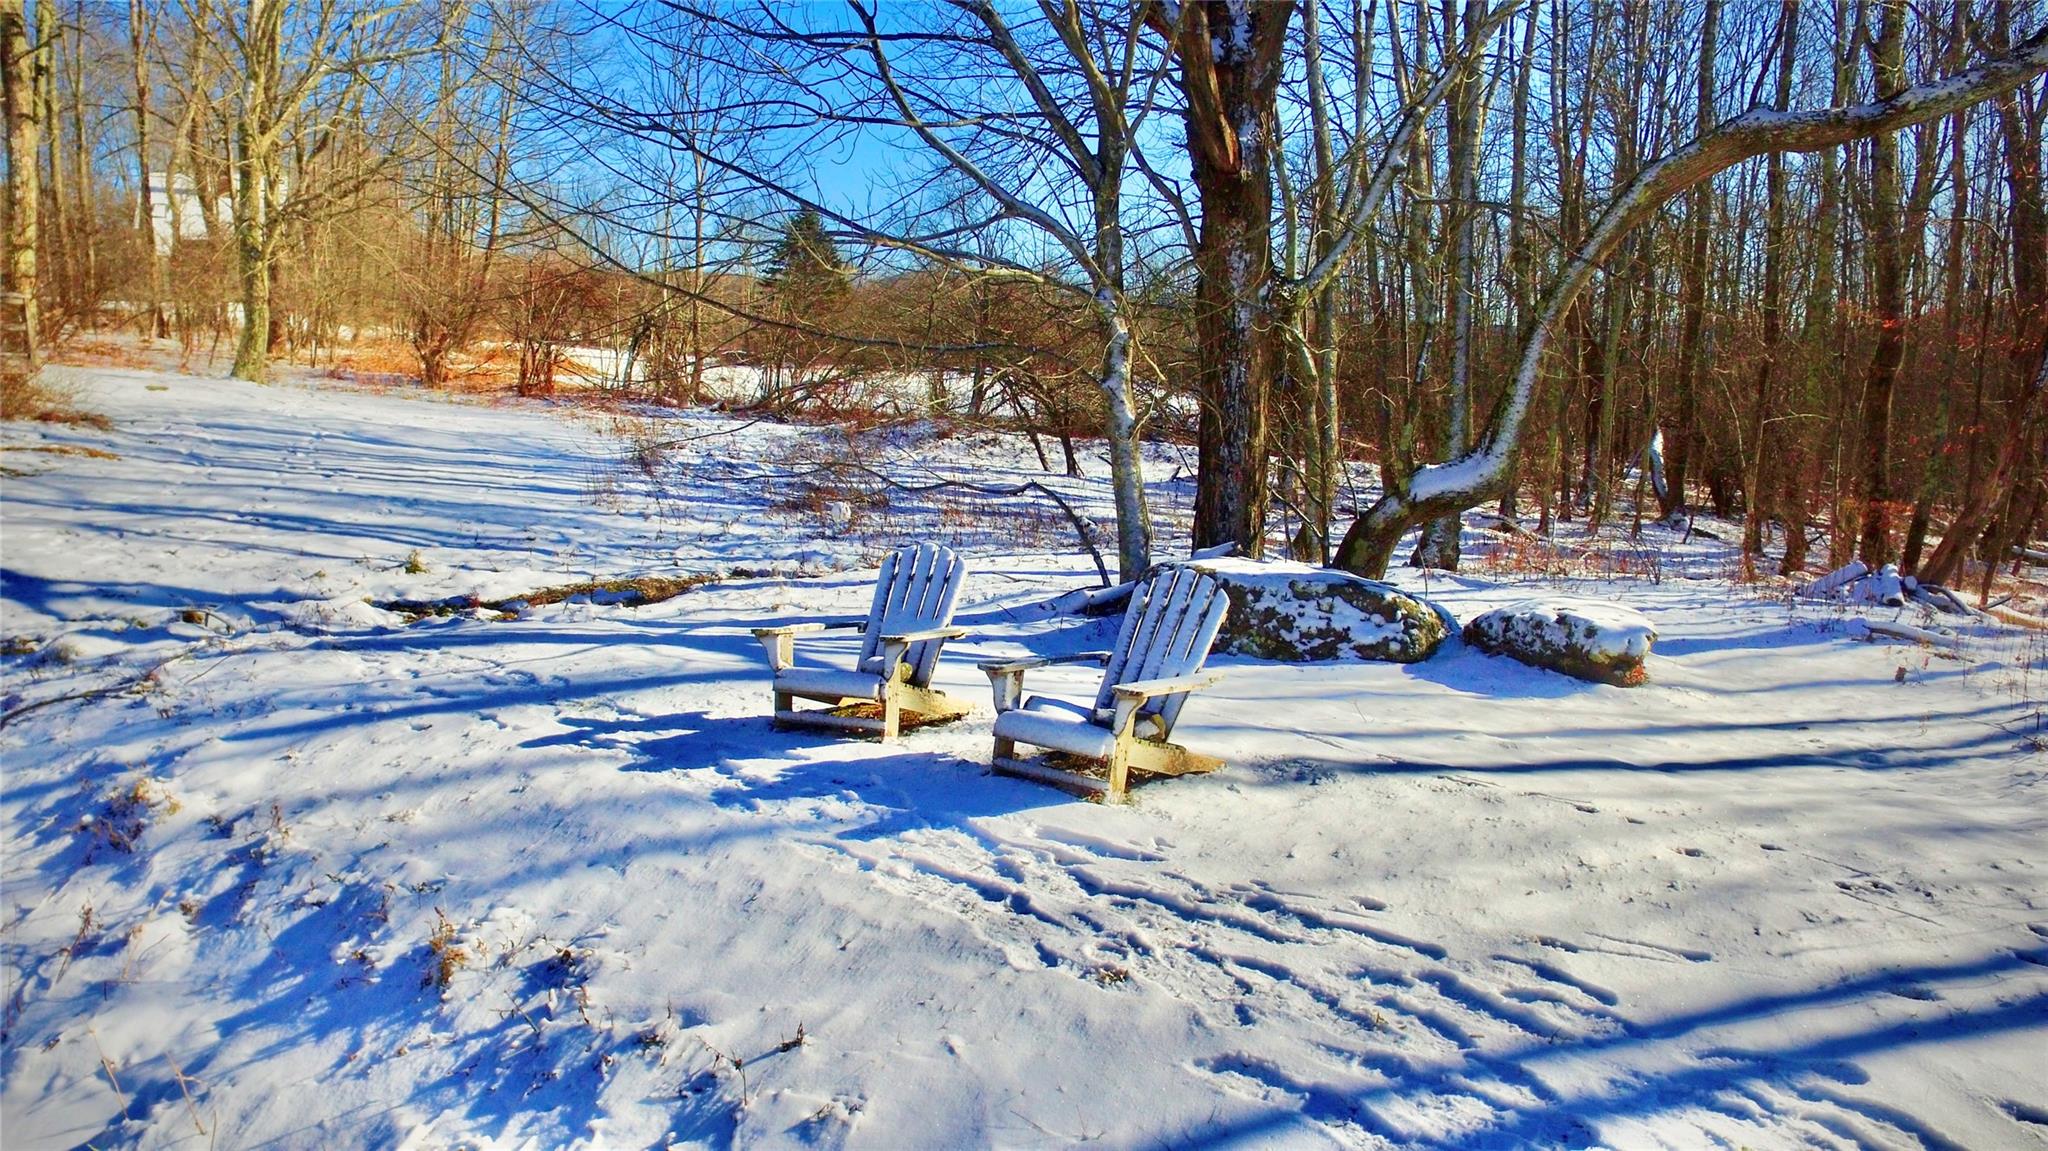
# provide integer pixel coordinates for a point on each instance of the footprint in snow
(2026, 1112)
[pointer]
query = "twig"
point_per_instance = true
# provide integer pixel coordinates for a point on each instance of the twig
(738, 1065)
(178, 1074)
(108, 1067)
(97, 692)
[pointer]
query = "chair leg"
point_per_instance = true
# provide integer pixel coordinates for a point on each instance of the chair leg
(892, 716)
(784, 702)
(1005, 748)
(1119, 771)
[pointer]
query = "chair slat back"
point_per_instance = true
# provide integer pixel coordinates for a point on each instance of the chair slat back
(918, 588)
(1168, 628)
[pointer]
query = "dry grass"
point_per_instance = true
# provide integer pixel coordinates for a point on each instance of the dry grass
(906, 721)
(1533, 555)
(34, 398)
(61, 450)
(636, 591)
(127, 814)
(447, 956)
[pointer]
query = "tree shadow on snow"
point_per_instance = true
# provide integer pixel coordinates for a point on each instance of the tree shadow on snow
(899, 786)
(1498, 1099)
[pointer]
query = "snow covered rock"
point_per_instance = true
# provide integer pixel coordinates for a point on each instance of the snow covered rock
(1601, 642)
(1298, 614)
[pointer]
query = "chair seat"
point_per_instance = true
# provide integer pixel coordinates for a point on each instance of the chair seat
(828, 683)
(1056, 729)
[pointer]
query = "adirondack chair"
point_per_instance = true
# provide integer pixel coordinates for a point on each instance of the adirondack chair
(1172, 619)
(907, 624)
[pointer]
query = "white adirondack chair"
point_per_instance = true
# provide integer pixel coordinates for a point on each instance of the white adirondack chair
(1167, 630)
(909, 621)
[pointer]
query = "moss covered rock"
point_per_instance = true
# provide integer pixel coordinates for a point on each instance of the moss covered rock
(1600, 642)
(1298, 614)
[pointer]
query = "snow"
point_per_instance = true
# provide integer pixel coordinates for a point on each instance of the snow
(303, 876)
(1606, 631)
(1294, 610)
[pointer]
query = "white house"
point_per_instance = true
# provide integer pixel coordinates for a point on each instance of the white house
(190, 222)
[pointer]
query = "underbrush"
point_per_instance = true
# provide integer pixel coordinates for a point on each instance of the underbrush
(634, 591)
(35, 398)
(842, 483)
(1528, 554)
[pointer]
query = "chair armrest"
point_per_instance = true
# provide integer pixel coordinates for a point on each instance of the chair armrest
(1006, 679)
(1026, 663)
(777, 642)
(1145, 689)
(1006, 676)
(804, 628)
(922, 634)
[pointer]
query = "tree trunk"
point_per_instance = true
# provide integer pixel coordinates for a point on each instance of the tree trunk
(1774, 276)
(1439, 546)
(255, 157)
(85, 229)
(1521, 268)
(17, 69)
(1230, 59)
(1874, 545)
(1823, 322)
(1126, 464)
(1683, 432)
(155, 323)
(59, 269)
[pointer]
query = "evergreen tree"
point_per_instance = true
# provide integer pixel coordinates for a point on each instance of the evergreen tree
(806, 268)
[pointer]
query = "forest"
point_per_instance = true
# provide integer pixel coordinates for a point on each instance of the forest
(1380, 261)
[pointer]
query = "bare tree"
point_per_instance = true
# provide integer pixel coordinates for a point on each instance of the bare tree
(301, 86)
(1480, 473)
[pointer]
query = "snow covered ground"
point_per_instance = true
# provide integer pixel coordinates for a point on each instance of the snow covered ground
(302, 874)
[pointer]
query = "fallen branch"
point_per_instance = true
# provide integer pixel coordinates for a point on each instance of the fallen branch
(1920, 635)
(2017, 618)
(102, 691)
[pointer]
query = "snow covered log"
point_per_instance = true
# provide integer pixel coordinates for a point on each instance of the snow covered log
(1297, 613)
(1601, 642)
(1840, 577)
(1885, 587)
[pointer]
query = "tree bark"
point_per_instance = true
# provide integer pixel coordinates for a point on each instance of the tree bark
(17, 70)
(1874, 545)
(1230, 68)
(254, 179)
(1683, 432)
(155, 322)
(1773, 318)
(1439, 546)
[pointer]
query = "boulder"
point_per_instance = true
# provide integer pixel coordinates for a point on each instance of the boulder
(1601, 642)
(1297, 613)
